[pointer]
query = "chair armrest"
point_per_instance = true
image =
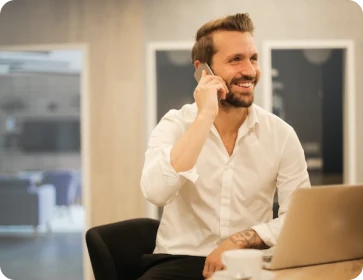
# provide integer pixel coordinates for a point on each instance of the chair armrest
(116, 249)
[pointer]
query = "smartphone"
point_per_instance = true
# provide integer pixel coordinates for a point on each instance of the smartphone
(198, 71)
(198, 74)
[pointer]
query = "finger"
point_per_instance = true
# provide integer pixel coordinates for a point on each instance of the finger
(218, 88)
(224, 93)
(206, 78)
(211, 77)
(219, 267)
(218, 80)
(211, 270)
(205, 269)
(221, 89)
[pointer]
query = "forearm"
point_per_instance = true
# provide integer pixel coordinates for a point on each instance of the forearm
(248, 239)
(164, 164)
(159, 182)
(186, 150)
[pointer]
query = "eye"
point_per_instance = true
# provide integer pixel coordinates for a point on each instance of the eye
(237, 58)
(254, 58)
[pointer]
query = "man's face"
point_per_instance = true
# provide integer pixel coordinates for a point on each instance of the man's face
(235, 61)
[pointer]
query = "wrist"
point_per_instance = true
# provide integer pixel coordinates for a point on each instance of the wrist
(208, 115)
(248, 239)
(238, 241)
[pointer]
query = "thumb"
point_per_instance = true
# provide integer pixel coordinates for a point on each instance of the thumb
(204, 73)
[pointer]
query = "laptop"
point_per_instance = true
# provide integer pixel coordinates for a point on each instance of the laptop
(323, 225)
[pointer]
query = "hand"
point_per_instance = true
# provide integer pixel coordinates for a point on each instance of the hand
(213, 261)
(240, 240)
(205, 94)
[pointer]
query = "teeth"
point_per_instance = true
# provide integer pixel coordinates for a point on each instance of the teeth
(244, 85)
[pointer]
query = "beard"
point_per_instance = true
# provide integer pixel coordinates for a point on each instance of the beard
(235, 99)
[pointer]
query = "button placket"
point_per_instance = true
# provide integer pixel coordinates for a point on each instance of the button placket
(225, 199)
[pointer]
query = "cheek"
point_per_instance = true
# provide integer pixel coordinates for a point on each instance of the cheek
(258, 73)
(228, 76)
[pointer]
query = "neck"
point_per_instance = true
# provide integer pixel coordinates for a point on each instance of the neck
(229, 120)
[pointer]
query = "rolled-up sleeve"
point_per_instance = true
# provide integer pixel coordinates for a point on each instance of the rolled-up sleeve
(160, 183)
(292, 174)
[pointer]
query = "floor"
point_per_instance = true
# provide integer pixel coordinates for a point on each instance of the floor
(57, 256)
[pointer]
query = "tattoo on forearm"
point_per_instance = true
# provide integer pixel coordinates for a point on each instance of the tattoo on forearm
(248, 239)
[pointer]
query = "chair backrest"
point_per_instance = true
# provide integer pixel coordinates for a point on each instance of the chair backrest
(15, 184)
(116, 249)
(62, 180)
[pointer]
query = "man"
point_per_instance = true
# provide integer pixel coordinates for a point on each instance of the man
(215, 165)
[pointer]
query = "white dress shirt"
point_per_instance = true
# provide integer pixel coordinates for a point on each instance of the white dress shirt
(222, 194)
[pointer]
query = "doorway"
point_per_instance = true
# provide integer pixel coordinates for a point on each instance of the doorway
(44, 137)
(311, 86)
(170, 84)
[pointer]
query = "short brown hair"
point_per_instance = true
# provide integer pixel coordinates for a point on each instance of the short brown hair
(204, 49)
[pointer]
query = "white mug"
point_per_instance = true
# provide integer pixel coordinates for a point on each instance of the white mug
(243, 263)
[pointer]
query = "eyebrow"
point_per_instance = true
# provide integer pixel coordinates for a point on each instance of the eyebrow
(241, 55)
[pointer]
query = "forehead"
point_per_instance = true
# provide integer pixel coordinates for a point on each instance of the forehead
(234, 42)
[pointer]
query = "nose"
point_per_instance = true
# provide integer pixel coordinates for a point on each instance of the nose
(248, 69)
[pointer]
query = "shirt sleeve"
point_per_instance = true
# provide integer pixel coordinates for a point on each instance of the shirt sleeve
(160, 183)
(292, 174)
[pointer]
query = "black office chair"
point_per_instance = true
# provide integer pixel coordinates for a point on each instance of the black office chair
(115, 249)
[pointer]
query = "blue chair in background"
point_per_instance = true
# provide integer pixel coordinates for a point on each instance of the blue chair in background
(64, 183)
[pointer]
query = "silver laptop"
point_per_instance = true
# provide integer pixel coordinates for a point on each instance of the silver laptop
(323, 225)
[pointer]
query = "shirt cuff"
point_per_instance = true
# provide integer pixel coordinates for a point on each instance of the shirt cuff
(265, 234)
(170, 172)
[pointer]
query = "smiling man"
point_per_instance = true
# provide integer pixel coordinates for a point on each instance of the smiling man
(216, 164)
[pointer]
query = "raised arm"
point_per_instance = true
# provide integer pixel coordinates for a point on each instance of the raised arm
(172, 152)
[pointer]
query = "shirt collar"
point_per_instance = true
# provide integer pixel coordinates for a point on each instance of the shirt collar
(252, 118)
(250, 124)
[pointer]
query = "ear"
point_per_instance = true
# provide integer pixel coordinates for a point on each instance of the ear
(196, 64)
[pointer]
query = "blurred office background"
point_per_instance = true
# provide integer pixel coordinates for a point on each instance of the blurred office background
(105, 104)
(42, 216)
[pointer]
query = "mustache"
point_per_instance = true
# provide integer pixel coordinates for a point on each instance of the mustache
(243, 79)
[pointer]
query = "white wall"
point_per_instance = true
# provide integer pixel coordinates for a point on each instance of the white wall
(176, 20)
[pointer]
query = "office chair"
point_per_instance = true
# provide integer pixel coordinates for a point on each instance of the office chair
(115, 249)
